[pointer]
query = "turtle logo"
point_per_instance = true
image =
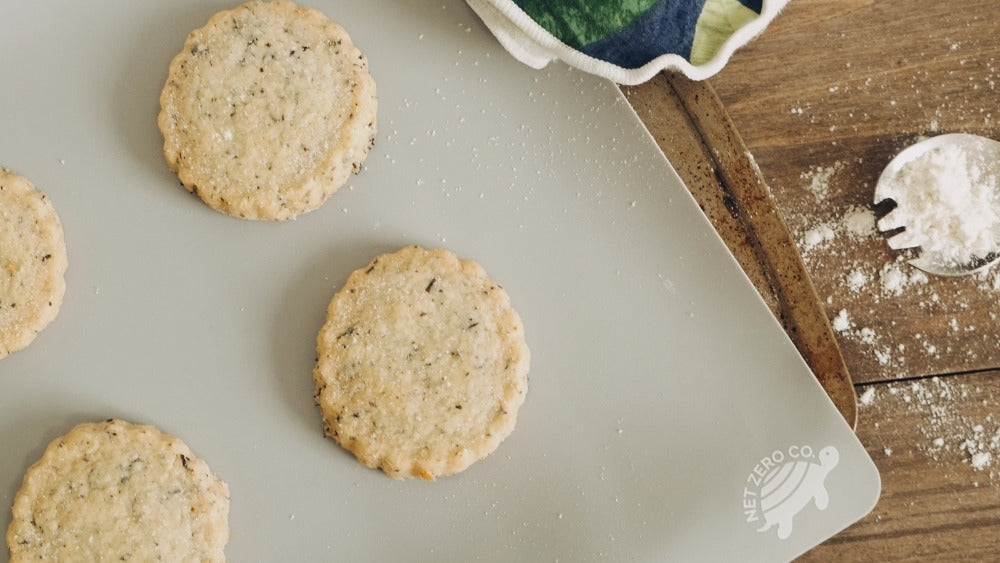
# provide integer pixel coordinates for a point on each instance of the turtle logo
(782, 484)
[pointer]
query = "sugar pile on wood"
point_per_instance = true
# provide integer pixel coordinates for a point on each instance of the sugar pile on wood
(839, 234)
(946, 200)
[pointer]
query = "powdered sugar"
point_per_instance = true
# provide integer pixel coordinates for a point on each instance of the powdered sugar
(848, 238)
(819, 179)
(856, 223)
(937, 408)
(859, 222)
(857, 279)
(817, 236)
(896, 276)
(867, 397)
(946, 202)
(981, 460)
(842, 321)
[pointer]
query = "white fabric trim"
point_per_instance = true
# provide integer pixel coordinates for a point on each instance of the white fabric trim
(534, 46)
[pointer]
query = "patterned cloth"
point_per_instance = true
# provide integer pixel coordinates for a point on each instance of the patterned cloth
(627, 41)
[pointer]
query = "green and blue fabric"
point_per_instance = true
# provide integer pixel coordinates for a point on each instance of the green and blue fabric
(601, 36)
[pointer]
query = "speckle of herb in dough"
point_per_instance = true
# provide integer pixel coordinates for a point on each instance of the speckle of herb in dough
(248, 148)
(443, 338)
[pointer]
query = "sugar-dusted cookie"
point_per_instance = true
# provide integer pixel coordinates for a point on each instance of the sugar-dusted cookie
(32, 262)
(267, 110)
(422, 364)
(117, 491)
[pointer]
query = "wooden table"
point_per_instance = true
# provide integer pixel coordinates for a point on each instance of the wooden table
(818, 105)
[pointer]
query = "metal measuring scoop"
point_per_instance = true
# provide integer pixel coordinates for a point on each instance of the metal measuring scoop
(983, 150)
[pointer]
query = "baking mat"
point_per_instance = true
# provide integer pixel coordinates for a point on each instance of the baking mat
(662, 392)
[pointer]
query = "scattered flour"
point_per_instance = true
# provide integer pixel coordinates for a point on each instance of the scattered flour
(981, 460)
(868, 397)
(856, 224)
(818, 235)
(840, 235)
(867, 336)
(936, 405)
(856, 280)
(896, 276)
(819, 179)
(842, 321)
(859, 222)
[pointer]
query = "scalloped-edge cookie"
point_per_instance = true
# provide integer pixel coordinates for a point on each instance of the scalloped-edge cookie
(118, 491)
(33, 262)
(267, 110)
(422, 364)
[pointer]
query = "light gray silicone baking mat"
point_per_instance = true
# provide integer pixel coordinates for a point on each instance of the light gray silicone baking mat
(662, 393)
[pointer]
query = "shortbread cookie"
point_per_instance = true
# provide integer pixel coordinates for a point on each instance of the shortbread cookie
(422, 364)
(267, 110)
(32, 262)
(117, 491)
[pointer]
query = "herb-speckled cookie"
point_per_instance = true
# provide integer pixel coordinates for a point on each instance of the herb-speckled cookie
(422, 364)
(267, 110)
(32, 262)
(117, 491)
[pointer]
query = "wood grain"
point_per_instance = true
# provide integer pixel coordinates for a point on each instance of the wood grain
(936, 502)
(824, 99)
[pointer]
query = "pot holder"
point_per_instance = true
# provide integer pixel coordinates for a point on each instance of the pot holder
(627, 41)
